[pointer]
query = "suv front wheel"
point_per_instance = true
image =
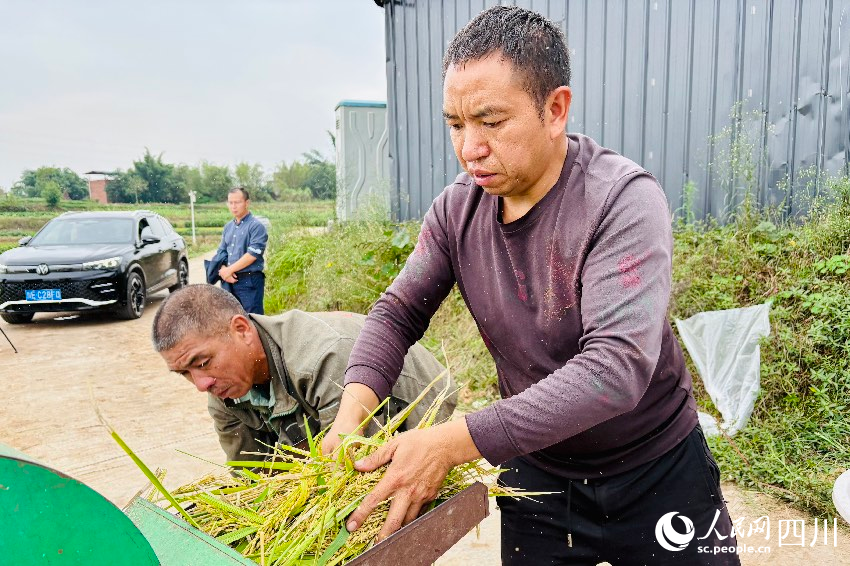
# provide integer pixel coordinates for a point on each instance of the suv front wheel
(134, 302)
(17, 317)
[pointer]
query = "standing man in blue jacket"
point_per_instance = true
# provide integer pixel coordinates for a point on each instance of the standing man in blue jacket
(244, 241)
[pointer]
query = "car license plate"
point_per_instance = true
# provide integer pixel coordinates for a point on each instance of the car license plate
(43, 294)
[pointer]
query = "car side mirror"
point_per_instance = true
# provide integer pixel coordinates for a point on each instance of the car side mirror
(147, 236)
(24, 241)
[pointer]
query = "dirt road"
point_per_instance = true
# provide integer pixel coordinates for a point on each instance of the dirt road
(65, 360)
(67, 363)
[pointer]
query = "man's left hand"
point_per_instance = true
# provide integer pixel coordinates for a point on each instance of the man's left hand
(419, 460)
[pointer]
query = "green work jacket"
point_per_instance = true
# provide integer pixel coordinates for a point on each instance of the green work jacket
(313, 349)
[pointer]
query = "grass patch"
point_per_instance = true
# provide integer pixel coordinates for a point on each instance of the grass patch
(798, 438)
(21, 217)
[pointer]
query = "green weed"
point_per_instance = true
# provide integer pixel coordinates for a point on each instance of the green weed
(795, 444)
(348, 267)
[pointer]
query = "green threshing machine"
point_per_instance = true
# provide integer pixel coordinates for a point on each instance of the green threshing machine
(47, 517)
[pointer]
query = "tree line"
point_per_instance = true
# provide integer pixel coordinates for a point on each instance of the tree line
(150, 179)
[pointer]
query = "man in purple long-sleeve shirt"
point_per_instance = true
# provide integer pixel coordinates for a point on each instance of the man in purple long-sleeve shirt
(562, 252)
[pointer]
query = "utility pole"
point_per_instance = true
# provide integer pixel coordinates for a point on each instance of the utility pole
(192, 206)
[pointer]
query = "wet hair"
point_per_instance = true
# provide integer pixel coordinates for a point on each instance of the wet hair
(242, 190)
(533, 44)
(204, 310)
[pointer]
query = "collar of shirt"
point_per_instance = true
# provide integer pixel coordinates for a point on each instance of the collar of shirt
(261, 397)
(280, 401)
(244, 218)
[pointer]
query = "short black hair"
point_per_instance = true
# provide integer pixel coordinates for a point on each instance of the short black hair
(533, 44)
(242, 190)
(202, 310)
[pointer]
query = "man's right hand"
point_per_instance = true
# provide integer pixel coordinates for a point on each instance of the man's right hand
(227, 275)
(357, 402)
(332, 439)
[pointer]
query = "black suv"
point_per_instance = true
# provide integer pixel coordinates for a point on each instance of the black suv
(92, 260)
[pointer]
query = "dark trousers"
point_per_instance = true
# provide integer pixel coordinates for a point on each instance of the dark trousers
(619, 519)
(248, 289)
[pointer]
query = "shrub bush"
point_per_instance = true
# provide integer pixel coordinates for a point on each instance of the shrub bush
(796, 443)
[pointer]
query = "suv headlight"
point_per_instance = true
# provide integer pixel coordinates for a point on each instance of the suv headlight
(103, 264)
(3, 268)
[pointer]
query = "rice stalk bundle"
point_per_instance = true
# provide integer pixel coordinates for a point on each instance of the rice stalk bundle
(291, 508)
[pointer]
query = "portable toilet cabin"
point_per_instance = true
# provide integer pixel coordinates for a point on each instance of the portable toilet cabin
(362, 160)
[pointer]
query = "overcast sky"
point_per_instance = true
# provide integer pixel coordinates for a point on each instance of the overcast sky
(90, 84)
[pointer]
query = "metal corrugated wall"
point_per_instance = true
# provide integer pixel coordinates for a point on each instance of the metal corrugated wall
(655, 80)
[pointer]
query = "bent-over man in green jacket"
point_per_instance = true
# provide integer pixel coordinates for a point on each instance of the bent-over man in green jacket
(264, 374)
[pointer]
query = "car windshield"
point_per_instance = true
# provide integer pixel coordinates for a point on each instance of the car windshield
(80, 231)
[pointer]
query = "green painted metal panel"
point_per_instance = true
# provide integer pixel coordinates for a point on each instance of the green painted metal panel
(49, 518)
(177, 543)
(9, 452)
